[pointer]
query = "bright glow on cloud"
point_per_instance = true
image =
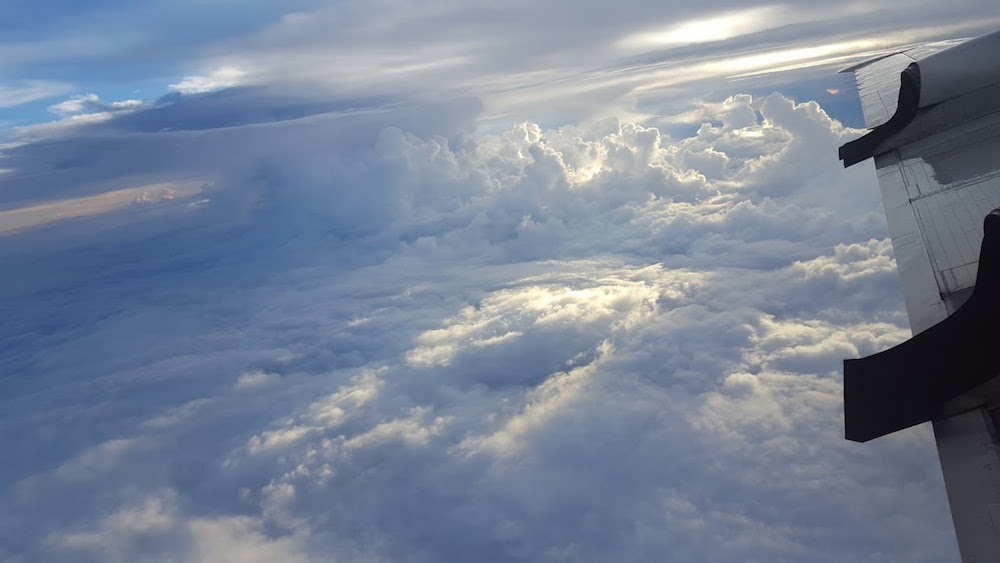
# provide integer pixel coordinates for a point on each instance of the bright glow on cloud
(77, 112)
(92, 104)
(19, 219)
(76, 104)
(772, 61)
(712, 28)
(216, 80)
(630, 64)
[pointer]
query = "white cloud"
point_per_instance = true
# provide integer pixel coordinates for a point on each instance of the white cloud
(413, 332)
(220, 78)
(79, 111)
(390, 338)
(90, 104)
(256, 379)
(535, 63)
(714, 27)
(76, 104)
(242, 539)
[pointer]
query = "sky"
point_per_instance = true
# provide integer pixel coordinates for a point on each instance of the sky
(448, 281)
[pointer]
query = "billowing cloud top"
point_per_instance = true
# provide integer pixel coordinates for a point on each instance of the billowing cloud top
(304, 307)
(338, 338)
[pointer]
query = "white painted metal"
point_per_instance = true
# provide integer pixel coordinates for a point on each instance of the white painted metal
(936, 191)
(939, 177)
(924, 306)
(878, 79)
(967, 448)
(960, 69)
(878, 87)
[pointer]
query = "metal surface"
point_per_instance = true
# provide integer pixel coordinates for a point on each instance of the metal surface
(939, 177)
(924, 306)
(936, 191)
(960, 69)
(931, 78)
(950, 180)
(967, 448)
(878, 79)
(878, 88)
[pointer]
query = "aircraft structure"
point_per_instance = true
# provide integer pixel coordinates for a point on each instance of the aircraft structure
(933, 111)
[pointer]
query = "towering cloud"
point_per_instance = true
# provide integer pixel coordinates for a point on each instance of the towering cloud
(379, 335)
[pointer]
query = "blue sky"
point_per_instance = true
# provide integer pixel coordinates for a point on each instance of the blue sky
(397, 281)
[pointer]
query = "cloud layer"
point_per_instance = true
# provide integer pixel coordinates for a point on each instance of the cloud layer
(555, 62)
(377, 335)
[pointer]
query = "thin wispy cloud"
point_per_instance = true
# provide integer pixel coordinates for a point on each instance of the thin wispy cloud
(26, 91)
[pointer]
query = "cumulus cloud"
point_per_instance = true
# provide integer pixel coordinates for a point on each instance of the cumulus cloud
(216, 80)
(77, 104)
(76, 112)
(384, 336)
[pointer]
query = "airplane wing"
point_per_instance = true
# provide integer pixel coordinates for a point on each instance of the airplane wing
(934, 118)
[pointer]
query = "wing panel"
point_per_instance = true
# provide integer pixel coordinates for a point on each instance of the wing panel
(952, 180)
(916, 273)
(878, 79)
(878, 88)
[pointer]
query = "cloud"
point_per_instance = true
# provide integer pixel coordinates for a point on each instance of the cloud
(216, 80)
(533, 63)
(32, 216)
(642, 62)
(91, 103)
(78, 111)
(715, 27)
(386, 336)
(77, 104)
(26, 91)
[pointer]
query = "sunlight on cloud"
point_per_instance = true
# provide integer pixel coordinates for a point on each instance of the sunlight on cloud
(246, 540)
(508, 314)
(76, 104)
(226, 77)
(557, 392)
(20, 219)
(758, 63)
(92, 104)
(475, 283)
(717, 27)
(256, 379)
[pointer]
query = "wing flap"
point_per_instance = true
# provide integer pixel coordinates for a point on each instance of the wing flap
(939, 175)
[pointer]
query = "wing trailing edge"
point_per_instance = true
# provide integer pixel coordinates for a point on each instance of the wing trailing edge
(910, 383)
